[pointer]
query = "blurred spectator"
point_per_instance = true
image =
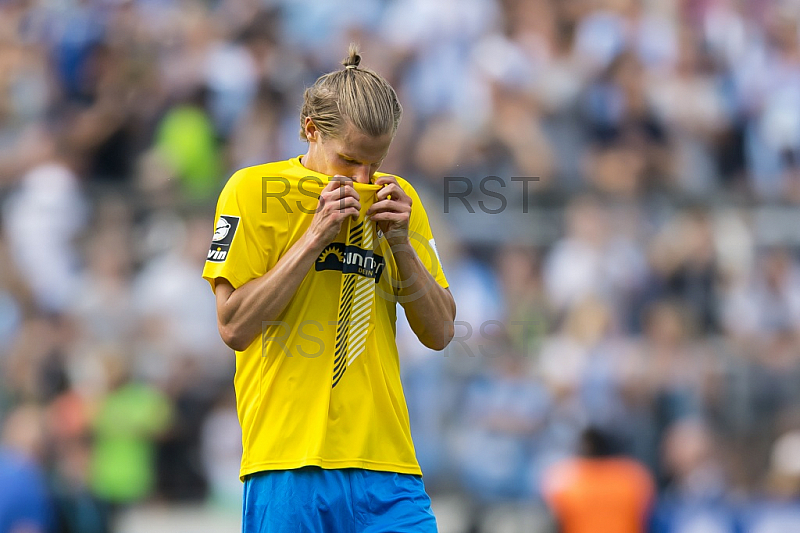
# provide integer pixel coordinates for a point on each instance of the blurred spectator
(684, 267)
(696, 494)
(783, 478)
(130, 418)
(503, 410)
(590, 259)
(673, 365)
(221, 442)
(526, 310)
(173, 307)
(255, 136)
(77, 508)
(25, 504)
(103, 303)
(691, 462)
(779, 508)
(41, 221)
(630, 143)
(770, 300)
(599, 491)
(187, 140)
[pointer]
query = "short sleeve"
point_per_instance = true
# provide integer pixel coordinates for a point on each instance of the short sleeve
(421, 236)
(234, 253)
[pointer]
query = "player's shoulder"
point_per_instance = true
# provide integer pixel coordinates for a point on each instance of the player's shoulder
(248, 175)
(245, 185)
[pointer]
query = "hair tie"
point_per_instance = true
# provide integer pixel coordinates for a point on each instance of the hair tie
(350, 66)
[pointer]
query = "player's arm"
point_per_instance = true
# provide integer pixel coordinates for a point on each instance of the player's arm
(241, 311)
(430, 308)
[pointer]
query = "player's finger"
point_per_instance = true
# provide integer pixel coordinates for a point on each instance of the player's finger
(343, 180)
(347, 202)
(332, 185)
(392, 190)
(389, 216)
(388, 206)
(337, 181)
(348, 191)
(340, 193)
(386, 180)
(352, 212)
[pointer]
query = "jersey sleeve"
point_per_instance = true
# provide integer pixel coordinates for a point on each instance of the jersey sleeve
(421, 236)
(234, 253)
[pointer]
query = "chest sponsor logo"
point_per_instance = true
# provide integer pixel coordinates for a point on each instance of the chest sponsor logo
(222, 239)
(351, 260)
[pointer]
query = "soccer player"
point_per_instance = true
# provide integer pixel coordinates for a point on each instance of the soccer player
(308, 262)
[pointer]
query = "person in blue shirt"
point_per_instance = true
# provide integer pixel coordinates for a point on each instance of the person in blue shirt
(25, 502)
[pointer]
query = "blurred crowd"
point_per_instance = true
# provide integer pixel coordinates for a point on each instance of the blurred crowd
(647, 286)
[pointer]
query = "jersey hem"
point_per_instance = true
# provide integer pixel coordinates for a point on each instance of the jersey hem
(331, 465)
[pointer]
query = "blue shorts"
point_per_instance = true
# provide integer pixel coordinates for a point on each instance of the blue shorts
(350, 500)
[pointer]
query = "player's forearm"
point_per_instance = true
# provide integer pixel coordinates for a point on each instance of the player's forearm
(264, 298)
(429, 307)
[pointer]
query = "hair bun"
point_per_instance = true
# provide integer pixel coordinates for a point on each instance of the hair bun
(353, 58)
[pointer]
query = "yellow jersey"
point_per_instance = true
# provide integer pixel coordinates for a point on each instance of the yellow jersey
(321, 385)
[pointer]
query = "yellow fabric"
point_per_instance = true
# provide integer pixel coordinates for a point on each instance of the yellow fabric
(303, 399)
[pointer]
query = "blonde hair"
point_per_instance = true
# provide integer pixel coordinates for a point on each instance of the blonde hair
(352, 95)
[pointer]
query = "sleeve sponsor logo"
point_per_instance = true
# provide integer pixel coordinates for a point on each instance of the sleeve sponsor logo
(223, 228)
(222, 239)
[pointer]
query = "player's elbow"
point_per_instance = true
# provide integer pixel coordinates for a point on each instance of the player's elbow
(233, 337)
(437, 344)
(441, 339)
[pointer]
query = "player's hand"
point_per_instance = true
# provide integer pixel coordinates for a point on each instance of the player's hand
(337, 201)
(391, 210)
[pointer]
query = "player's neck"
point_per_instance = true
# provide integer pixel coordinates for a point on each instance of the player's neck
(311, 162)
